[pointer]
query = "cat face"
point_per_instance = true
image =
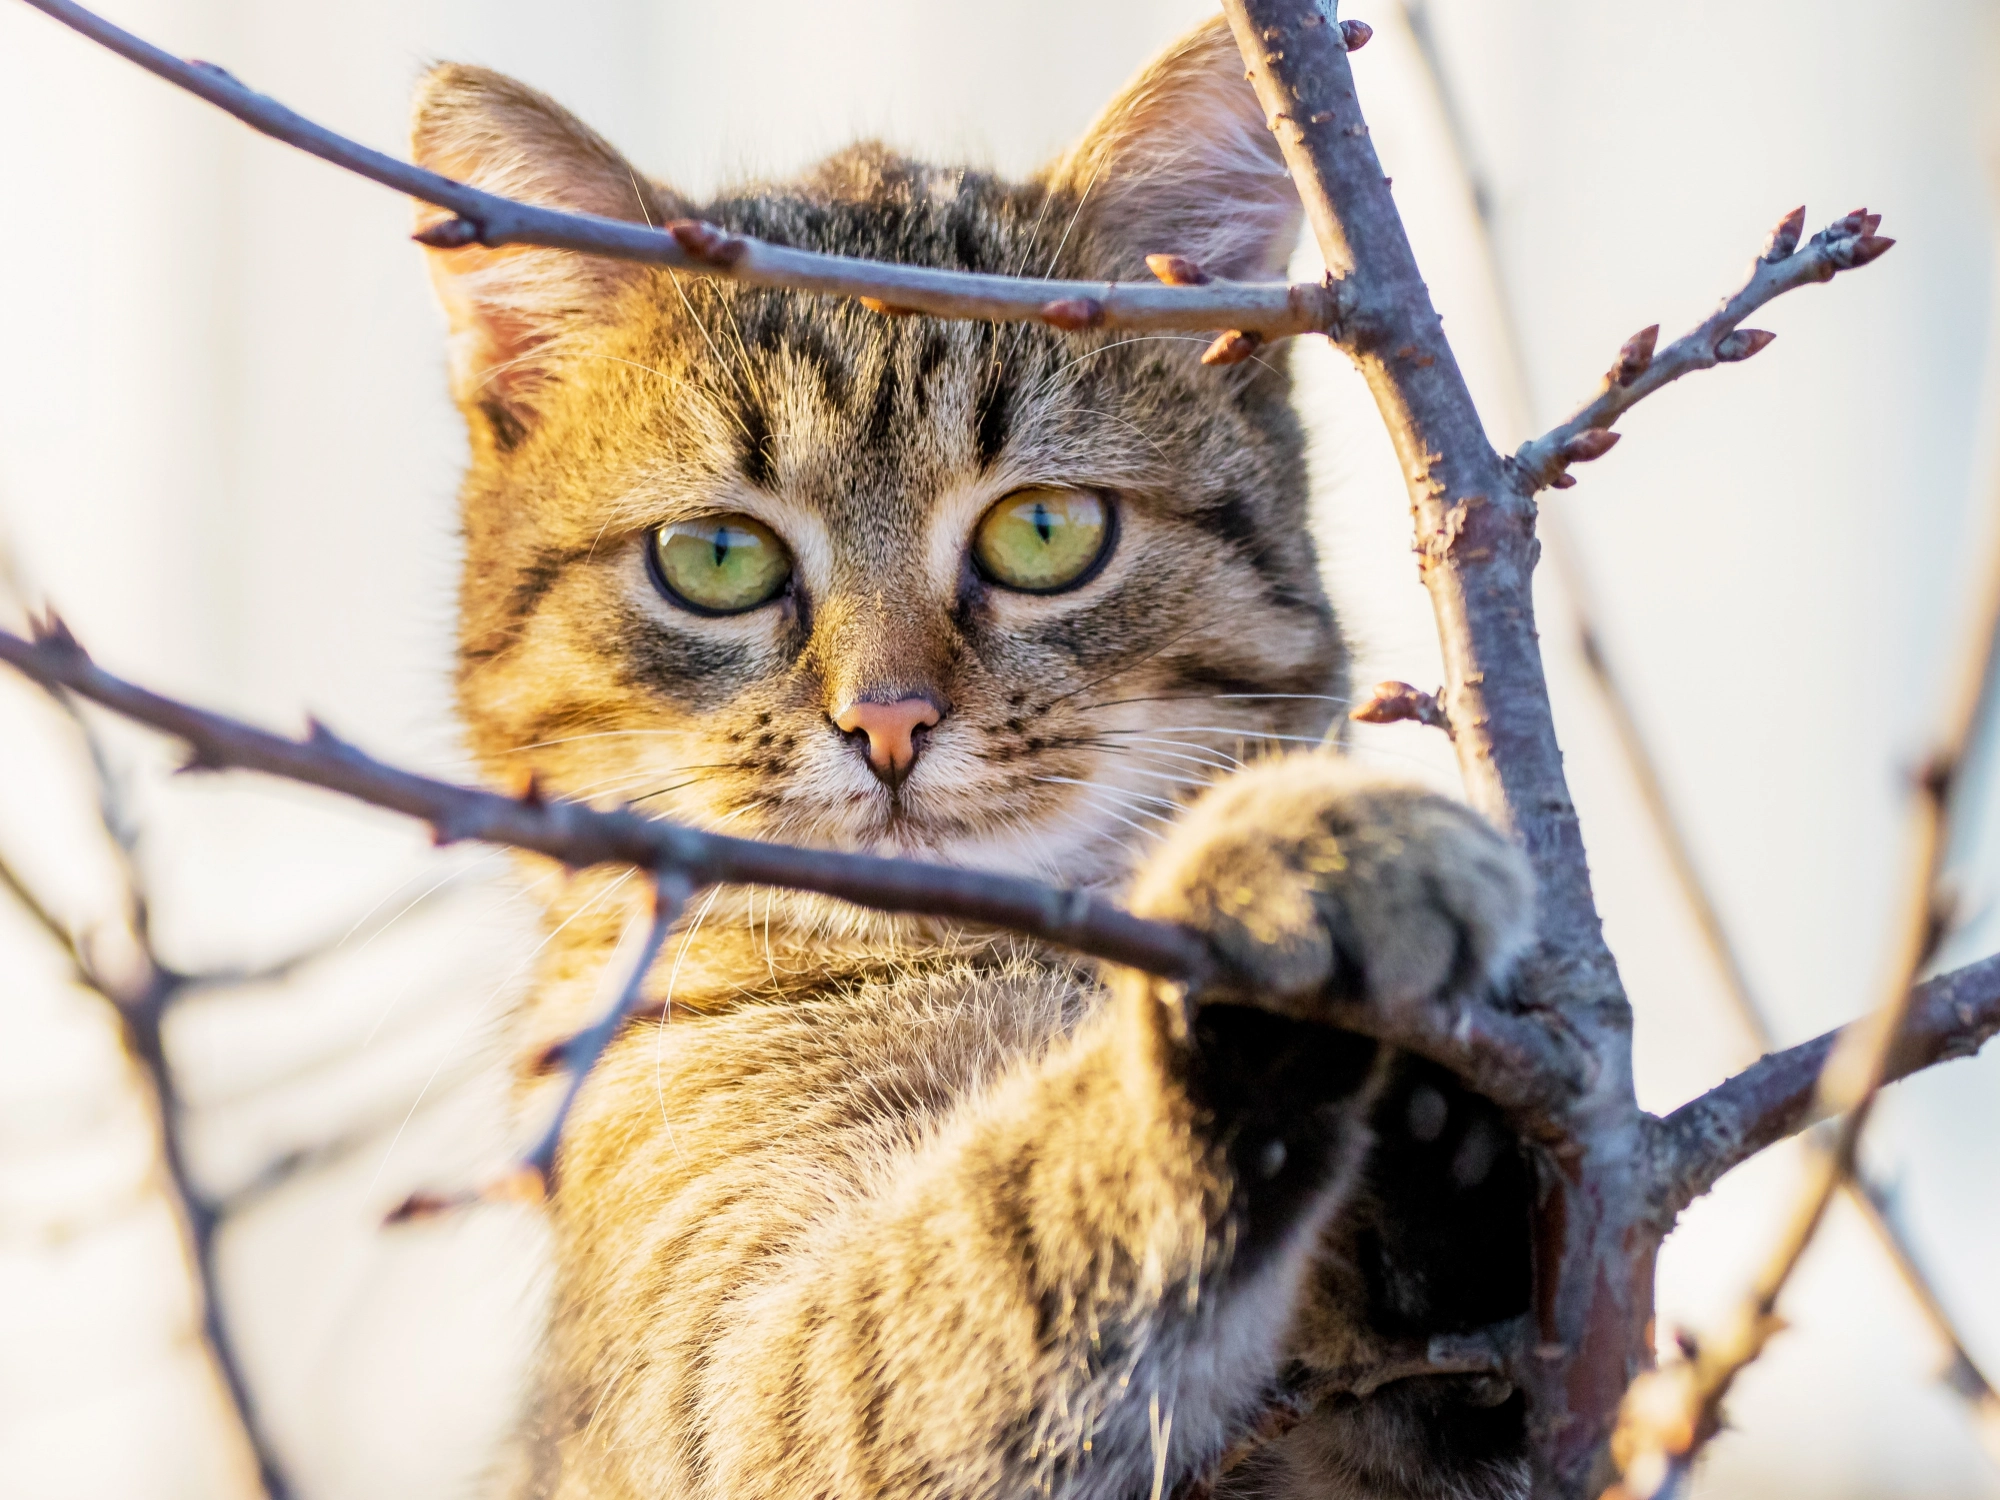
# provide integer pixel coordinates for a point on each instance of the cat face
(778, 565)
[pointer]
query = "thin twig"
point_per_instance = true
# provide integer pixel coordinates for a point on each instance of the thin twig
(1567, 1050)
(1961, 1371)
(1781, 266)
(25, 897)
(533, 1178)
(141, 1001)
(1476, 550)
(1271, 310)
(1524, 1065)
(1475, 518)
(1673, 1414)
(579, 836)
(1951, 1016)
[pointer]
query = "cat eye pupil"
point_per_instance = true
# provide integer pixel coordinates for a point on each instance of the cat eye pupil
(1043, 540)
(719, 565)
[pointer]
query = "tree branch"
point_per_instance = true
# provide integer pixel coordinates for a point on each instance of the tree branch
(140, 1001)
(1961, 1372)
(1475, 520)
(1781, 266)
(534, 1178)
(1270, 310)
(1560, 1061)
(1777, 1096)
(1475, 525)
(1528, 1067)
(1673, 1414)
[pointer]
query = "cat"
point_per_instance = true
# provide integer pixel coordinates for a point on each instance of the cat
(883, 1208)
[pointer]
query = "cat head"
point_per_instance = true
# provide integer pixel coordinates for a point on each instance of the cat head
(775, 564)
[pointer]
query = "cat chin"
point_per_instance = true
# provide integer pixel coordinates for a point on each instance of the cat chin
(1058, 850)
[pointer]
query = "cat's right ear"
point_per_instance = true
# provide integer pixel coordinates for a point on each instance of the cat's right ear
(1182, 163)
(510, 309)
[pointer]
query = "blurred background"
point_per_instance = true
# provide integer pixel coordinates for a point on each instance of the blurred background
(226, 453)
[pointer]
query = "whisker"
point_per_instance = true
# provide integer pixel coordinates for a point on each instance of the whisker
(1075, 214)
(1121, 845)
(1121, 671)
(1211, 698)
(362, 921)
(598, 734)
(679, 786)
(1138, 431)
(1236, 729)
(1314, 697)
(667, 1014)
(735, 378)
(1193, 781)
(1121, 818)
(1121, 791)
(1221, 760)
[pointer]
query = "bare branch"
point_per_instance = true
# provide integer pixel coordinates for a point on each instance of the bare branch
(1558, 1055)
(1950, 1017)
(1475, 521)
(25, 897)
(140, 1002)
(579, 836)
(1961, 1372)
(1272, 310)
(1672, 1414)
(581, 1052)
(1780, 267)
(1475, 525)
(533, 1178)
(1522, 1064)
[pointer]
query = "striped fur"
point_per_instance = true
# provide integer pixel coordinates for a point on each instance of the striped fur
(883, 1210)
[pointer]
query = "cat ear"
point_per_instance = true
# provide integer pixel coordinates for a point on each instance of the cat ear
(1181, 163)
(510, 308)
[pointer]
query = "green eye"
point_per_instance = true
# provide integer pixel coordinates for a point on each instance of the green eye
(1043, 539)
(720, 565)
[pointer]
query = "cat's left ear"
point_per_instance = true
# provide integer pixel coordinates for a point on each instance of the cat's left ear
(1181, 163)
(510, 308)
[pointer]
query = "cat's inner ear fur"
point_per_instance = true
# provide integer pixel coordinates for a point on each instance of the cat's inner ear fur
(1181, 163)
(511, 309)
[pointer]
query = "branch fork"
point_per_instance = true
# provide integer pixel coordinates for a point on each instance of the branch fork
(1557, 1055)
(1782, 265)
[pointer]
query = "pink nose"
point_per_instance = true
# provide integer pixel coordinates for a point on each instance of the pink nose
(891, 729)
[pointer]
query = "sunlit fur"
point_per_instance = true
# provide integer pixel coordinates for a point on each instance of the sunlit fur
(802, 1222)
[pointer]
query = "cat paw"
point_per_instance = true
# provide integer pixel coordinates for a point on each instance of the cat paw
(1313, 881)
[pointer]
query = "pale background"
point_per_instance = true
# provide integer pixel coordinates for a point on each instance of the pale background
(226, 453)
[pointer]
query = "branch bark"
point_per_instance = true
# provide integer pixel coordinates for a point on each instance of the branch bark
(1524, 1065)
(1781, 266)
(1950, 1017)
(140, 1000)
(1270, 310)
(1667, 1425)
(1960, 1372)
(1561, 1059)
(1477, 551)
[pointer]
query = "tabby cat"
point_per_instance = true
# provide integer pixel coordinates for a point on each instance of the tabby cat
(884, 1209)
